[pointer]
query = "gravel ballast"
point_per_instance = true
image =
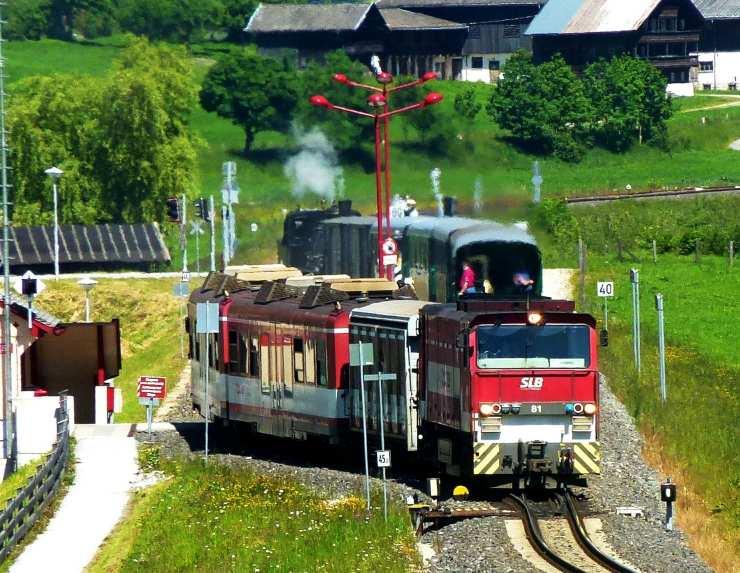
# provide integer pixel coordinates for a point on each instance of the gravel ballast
(480, 544)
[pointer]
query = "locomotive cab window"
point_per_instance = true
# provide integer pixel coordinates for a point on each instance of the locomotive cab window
(520, 346)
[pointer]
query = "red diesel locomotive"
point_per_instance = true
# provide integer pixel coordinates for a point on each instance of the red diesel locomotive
(491, 390)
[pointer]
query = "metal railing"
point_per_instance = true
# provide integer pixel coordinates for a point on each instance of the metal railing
(26, 507)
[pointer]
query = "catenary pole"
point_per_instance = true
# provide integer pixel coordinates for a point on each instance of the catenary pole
(7, 363)
(212, 216)
(184, 235)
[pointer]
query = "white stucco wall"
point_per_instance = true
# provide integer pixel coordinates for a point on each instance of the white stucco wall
(680, 90)
(726, 69)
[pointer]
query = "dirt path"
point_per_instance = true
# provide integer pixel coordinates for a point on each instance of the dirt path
(716, 106)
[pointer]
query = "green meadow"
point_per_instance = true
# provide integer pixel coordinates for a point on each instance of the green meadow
(698, 154)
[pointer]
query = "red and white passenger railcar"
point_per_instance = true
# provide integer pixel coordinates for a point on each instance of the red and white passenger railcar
(280, 360)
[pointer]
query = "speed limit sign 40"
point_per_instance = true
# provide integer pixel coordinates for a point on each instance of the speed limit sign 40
(605, 288)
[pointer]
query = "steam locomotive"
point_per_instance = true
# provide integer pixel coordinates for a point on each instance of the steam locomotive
(487, 389)
(432, 249)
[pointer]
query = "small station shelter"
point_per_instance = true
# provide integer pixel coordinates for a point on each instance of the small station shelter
(49, 359)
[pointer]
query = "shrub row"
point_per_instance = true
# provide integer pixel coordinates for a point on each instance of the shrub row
(676, 225)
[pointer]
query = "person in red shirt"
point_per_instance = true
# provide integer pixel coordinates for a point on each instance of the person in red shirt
(467, 279)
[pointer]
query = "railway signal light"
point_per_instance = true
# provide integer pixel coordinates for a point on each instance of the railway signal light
(201, 209)
(173, 209)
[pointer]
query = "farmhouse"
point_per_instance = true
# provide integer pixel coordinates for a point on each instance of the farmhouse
(719, 46)
(665, 32)
(460, 39)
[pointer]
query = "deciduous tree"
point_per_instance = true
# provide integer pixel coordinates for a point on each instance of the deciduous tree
(543, 106)
(255, 93)
(122, 141)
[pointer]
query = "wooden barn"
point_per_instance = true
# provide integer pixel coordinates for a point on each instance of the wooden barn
(665, 32)
(460, 39)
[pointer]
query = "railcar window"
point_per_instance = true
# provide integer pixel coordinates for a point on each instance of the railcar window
(298, 359)
(254, 357)
(242, 344)
(265, 367)
(213, 351)
(310, 361)
(288, 371)
(321, 367)
(519, 346)
(233, 352)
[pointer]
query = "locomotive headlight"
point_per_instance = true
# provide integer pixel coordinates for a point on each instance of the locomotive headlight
(486, 409)
(534, 318)
(569, 408)
(590, 409)
(496, 408)
(578, 408)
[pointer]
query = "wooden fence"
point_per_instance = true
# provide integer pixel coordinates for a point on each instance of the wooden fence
(26, 507)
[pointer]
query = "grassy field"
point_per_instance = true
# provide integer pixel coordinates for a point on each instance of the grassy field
(699, 155)
(214, 518)
(150, 328)
(693, 436)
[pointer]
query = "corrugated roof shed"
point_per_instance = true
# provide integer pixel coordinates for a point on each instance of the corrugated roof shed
(89, 244)
(399, 19)
(719, 9)
(307, 18)
(20, 307)
(591, 16)
(411, 4)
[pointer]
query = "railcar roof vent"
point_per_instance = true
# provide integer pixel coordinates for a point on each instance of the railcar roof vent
(220, 283)
(273, 291)
(319, 295)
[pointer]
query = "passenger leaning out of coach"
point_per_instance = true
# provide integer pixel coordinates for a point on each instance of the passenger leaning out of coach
(467, 279)
(523, 283)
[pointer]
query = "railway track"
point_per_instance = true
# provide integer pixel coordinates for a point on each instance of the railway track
(688, 192)
(563, 543)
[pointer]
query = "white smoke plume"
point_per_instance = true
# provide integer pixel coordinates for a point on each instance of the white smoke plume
(435, 175)
(478, 195)
(375, 64)
(315, 168)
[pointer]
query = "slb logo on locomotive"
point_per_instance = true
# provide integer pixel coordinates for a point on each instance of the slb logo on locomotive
(531, 383)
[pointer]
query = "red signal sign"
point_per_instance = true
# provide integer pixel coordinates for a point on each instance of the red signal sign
(152, 387)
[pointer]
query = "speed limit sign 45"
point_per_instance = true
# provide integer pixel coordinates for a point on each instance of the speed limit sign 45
(384, 458)
(605, 288)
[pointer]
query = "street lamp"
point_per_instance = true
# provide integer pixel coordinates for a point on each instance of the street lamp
(55, 173)
(87, 285)
(378, 101)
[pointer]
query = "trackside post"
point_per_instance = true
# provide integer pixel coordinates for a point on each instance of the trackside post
(361, 354)
(206, 323)
(383, 455)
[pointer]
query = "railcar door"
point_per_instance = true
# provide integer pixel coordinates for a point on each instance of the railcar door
(411, 347)
(276, 380)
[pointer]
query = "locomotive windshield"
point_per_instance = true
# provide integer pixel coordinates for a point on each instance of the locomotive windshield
(520, 346)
